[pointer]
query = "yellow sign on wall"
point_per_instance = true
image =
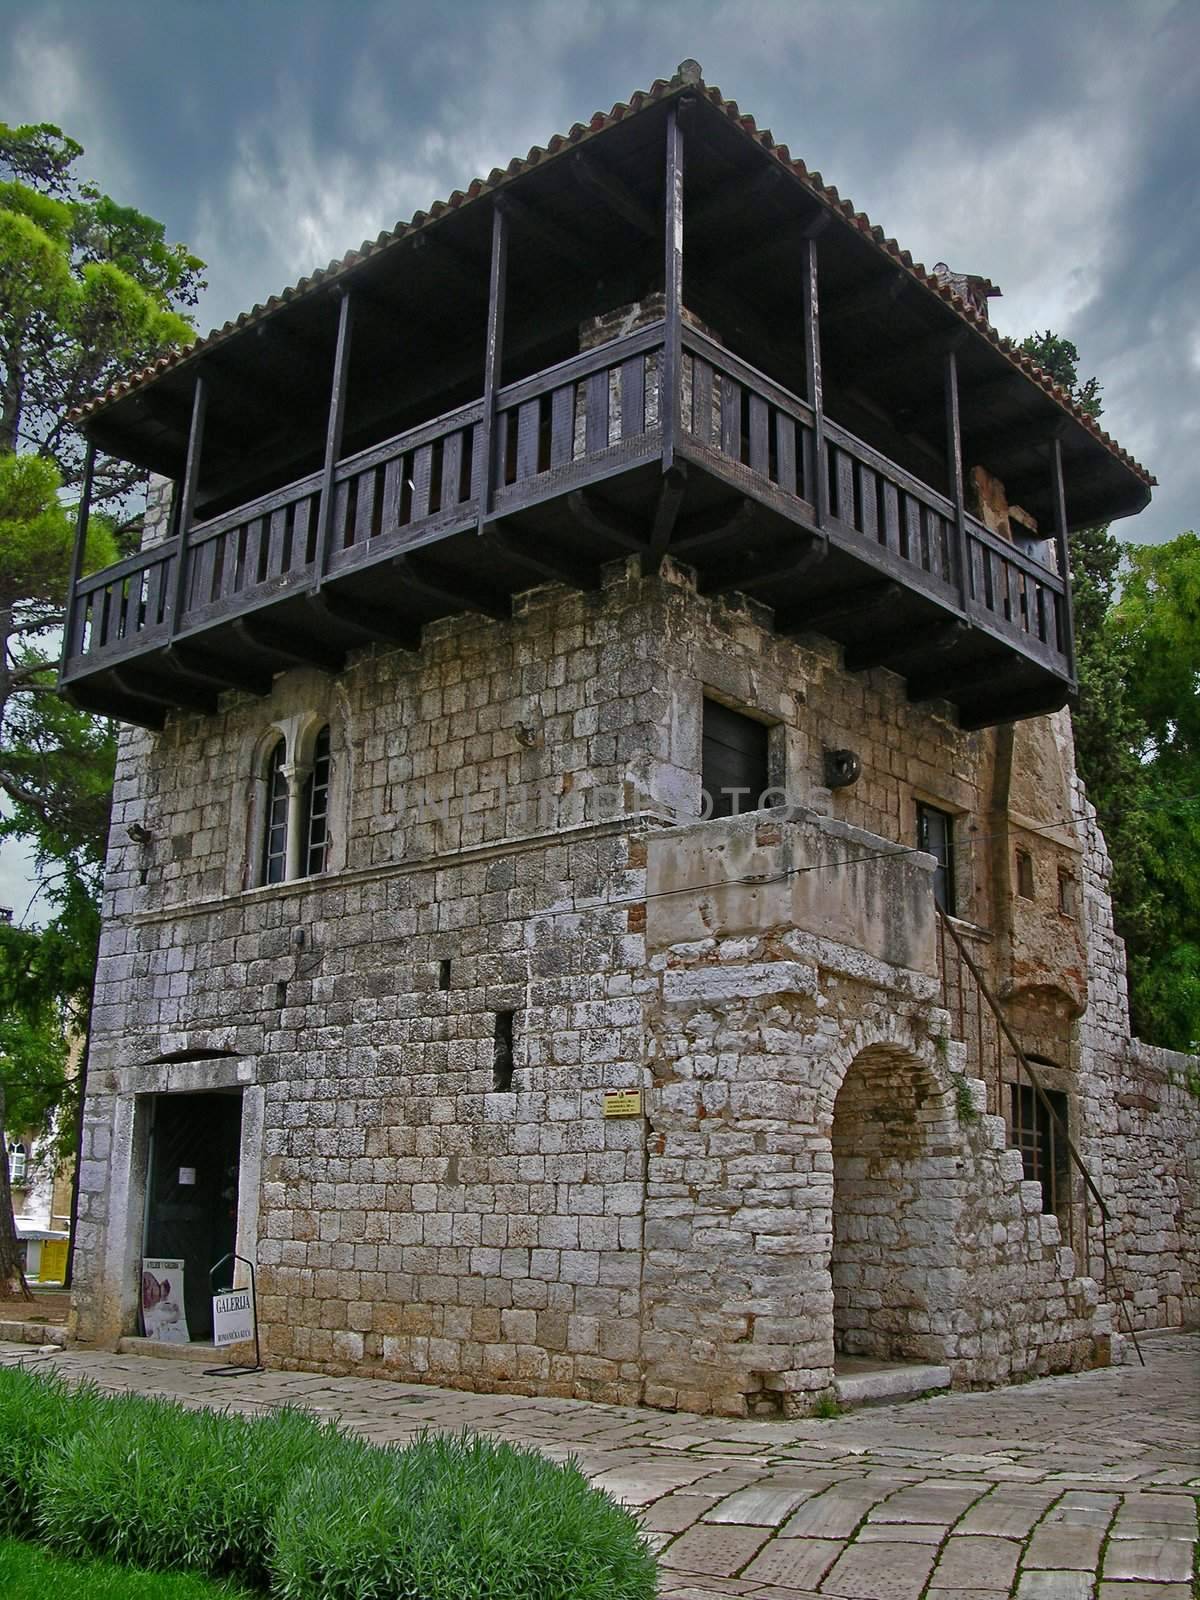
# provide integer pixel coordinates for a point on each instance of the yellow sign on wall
(623, 1103)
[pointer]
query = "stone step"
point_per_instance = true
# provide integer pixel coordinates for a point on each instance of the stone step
(861, 1382)
(36, 1333)
(135, 1345)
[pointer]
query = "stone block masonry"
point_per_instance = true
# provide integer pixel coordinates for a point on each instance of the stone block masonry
(515, 833)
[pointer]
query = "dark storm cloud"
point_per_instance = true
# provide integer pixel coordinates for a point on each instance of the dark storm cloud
(1051, 147)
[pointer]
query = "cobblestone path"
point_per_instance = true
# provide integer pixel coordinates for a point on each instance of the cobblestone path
(1076, 1488)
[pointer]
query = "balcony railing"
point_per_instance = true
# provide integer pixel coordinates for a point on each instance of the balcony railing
(570, 428)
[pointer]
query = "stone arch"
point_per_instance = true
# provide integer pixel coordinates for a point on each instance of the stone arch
(898, 1191)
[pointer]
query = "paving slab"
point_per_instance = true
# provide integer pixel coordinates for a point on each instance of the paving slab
(852, 1508)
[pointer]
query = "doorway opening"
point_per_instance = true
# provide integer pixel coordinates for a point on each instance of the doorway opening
(897, 1192)
(192, 1178)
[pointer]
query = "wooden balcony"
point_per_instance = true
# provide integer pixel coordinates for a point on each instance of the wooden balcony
(871, 556)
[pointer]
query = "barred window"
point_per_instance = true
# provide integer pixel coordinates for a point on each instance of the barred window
(316, 807)
(274, 859)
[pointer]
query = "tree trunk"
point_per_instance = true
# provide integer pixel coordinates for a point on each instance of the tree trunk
(12, 1278)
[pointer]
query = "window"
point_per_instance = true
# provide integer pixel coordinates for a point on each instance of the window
(1044, 1154)
(733, 761)
(295, 809)
(1067, 902)
(316, 807)
(1025, 875)
(935, 833)
(274, 863)
(502, 1052)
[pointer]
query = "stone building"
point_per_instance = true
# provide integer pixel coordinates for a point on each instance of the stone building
(600, 901)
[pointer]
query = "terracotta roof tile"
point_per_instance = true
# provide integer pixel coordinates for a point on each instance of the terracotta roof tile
(660, 89)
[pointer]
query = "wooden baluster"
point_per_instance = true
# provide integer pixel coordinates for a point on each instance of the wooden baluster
(702, 401)
(422, 478)
(276, 544)
(843, 486)
(486, 474)
(327, 508)
(364, 507)
(911, 547)
(596, 413)
(452, 459)
(785, 452)
(529, 421)
(868, 512)
(760, 448)
(889, 533)
(562, 426)
(633, 397)
(731, 418)
(393, 486)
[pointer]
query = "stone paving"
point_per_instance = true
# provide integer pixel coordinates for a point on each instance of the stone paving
(1073, 1488)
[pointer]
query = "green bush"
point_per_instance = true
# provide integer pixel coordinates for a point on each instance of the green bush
(156, 1485)
(35, 1413)
(287, 1504)
(456, 1519)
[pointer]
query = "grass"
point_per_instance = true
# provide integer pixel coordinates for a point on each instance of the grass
(30, 1573)
(287, 1506)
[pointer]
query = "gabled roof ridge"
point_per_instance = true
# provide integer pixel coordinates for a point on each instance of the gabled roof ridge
(518, 166)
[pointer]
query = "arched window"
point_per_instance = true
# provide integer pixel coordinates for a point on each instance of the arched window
(275, 831)
(316, 808)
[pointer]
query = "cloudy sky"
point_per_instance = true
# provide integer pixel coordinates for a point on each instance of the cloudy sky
(1051, 146)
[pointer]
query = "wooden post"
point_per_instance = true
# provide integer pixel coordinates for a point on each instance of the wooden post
(957, 493)
(187, 505)
(486, 474)
(671, 400)
(333, 436)
(70, 646)
(1064, 554)
(810, 298)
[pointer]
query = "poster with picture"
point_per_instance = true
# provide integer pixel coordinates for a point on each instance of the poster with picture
(163, 1316)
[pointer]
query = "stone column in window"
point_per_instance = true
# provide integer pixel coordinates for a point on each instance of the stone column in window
(296, 774)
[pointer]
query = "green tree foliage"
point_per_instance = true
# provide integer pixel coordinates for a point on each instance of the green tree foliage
(1137, 739)
(89, 289)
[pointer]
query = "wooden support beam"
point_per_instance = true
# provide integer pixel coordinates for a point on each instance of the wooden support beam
(172, 694)
(492, 364)
(810, 320)
(143, 713)
(904, 645)
(954, 470)
(1062, 546)
(334, 428)
(666, 513)
(734, 195)
(672, 358)
(937, 686)
(887, 289)
(785, 565)
(607, 521)
(613, 193)
(70, 629)
(287, 647)
(717, 526)
(834, 612)
(449, 588)
(551, 235)
(370, 622)
(187, 507)
(533, 552)
(187, 661)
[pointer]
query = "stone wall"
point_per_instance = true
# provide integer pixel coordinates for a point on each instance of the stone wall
(501, 801)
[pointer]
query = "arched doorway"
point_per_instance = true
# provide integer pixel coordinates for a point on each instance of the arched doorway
(897, 1193)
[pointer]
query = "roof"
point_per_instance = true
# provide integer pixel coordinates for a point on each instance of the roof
(687, 80)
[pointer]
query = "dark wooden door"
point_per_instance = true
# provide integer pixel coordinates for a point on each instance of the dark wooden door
(192, 1191)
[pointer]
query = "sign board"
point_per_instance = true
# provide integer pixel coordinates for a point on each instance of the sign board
(52, 1264)
(623, 1103)
(233, 1317)
(187, 1175)
(163, 1316)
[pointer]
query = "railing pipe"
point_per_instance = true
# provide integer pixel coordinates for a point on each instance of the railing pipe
(335, 427)
(671, 402)
(954, 463)
(811, 318)
(77, 555)
(1064, 554)
(485, 471)
(191, 476)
